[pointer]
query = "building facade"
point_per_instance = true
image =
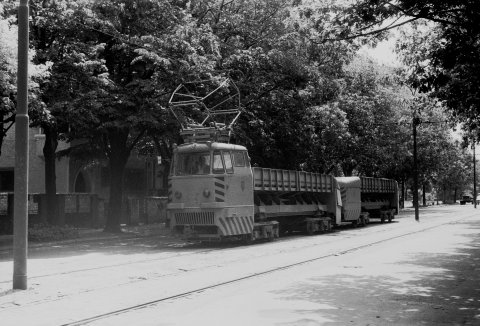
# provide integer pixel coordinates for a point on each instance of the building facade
(142, 179)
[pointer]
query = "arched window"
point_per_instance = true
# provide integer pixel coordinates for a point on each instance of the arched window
(81, 183)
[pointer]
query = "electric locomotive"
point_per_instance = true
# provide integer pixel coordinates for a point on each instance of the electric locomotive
(210, 188)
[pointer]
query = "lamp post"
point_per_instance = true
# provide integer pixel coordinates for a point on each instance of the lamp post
(20, 224)
(474, 177)
(415, 123)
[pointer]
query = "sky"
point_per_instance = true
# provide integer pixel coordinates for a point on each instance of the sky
(383, 53)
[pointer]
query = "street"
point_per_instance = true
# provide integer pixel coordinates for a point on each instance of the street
(399, 273)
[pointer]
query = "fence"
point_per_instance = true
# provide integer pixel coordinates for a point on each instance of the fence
(145, 210)
(83, 210)
(75, 209)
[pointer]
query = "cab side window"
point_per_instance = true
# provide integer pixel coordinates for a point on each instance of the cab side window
(228, 162)
(217, 163)
(247, 159)
(239, 159)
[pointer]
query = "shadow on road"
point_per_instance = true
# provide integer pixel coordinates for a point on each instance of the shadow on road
(427, 288)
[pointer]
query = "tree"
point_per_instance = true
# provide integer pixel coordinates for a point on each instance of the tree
(454, 173)
(330, 127)
(115, 63)
(434, 142)
(440, 48)
(48, 45)
(8, 69)
(283, 77)
(448, 60)
(8, 72)
(374, 140)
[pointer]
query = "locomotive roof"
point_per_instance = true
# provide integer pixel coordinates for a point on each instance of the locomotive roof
(203, 147)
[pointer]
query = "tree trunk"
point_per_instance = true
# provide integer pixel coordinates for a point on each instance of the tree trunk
(348, 169)
(117, 161)
(49, 149)
(424, 195)
(6, 122)
(2, 134)
(166, 153)
(166, 177)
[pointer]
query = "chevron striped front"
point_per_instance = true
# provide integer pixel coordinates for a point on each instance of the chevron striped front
(352, 213)
(343, 192)
(220, 189)
(235, 225)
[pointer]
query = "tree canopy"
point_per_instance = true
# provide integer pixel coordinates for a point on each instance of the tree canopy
(444, 58)
(8, 74)
(8, 70)
(309, 100)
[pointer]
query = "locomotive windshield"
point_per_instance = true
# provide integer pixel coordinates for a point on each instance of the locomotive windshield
(193, 163)
(218, 162)
(219, 165)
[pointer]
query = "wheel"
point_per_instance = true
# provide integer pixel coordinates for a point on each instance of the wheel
(310, 230)
(276, 232)
(248, 239)
(320, 227)
(272, 234)
(329, 226)
(362, 221)
(389, 217)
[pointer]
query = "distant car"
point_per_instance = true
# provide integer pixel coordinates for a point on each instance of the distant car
(466, 199)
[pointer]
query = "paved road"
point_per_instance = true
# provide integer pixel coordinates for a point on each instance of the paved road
(401, 273)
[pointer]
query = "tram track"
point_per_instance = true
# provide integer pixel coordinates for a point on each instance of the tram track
(179, 255)
(71, 272)
(74, 242)
(149, 303)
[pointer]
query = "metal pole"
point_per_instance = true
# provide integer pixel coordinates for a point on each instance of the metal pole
(474, 177)
(415, 172)
(20, 224)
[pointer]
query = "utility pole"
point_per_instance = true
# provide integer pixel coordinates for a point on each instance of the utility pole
(20, 216)
(474, 177)
(415, 123)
